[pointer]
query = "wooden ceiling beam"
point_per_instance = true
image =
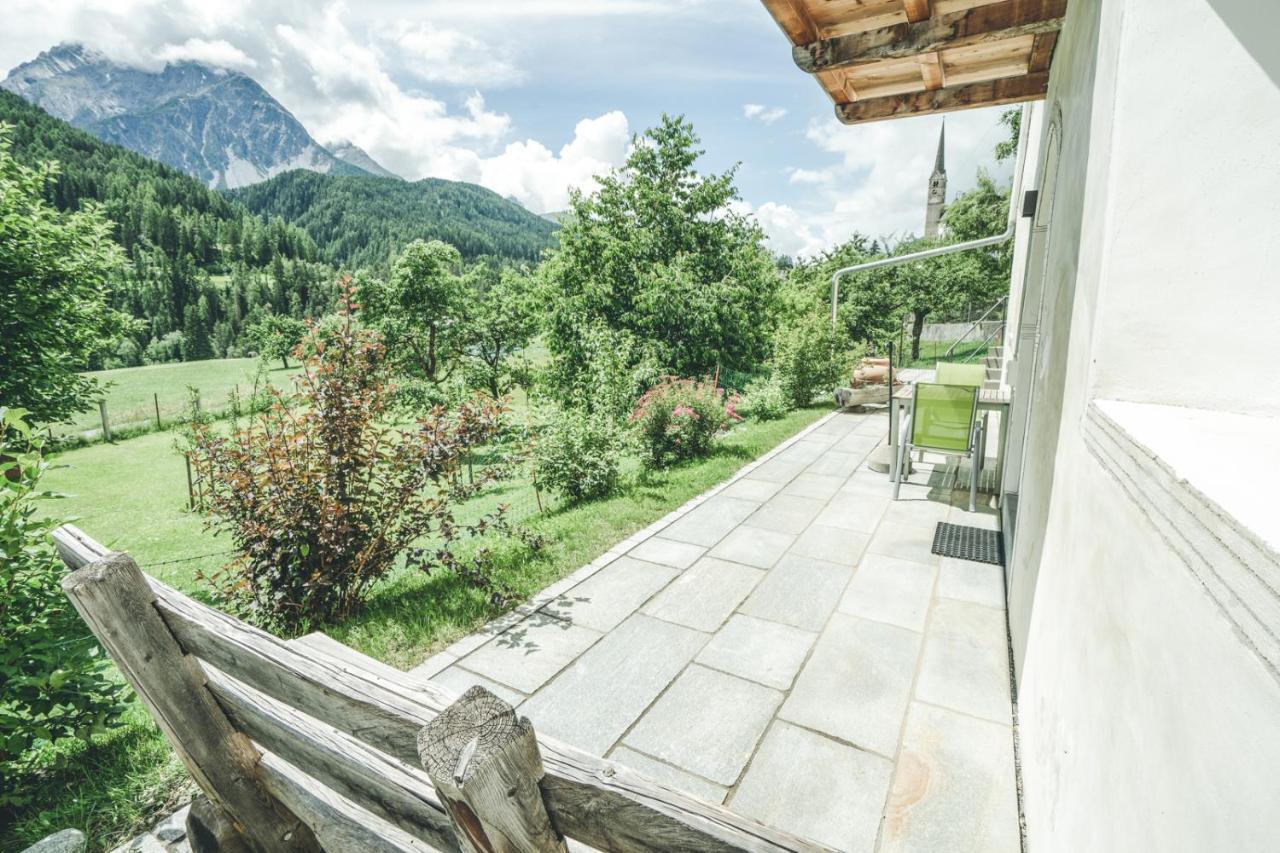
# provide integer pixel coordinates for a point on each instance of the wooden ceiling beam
(981, 25)
(917, 10)
(1010, 90)
(793, 18)
(931, 71)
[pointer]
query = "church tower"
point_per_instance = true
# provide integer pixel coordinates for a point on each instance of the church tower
(937, 189)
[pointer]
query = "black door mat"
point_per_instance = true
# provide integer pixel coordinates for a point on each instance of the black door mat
(968, 543)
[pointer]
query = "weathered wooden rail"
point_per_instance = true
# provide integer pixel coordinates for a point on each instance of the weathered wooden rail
(306, 744)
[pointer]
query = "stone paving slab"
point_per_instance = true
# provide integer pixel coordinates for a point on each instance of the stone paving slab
(752, 489)
(593, 702)
(758, 650)
(707, 723)
(530, 653)
(904, 541)
(890, 590)
(966, 660)
(857, 683)
(611, 594)
(952, 782)
(816, 787)
(799, 591)
(704, 595)
(965, 580)
(672, 777)
(853, 511)
(818, 486)
(460, 680)
(753, 546)
(708, 524)
(667, 552)
(786, 514)
(831, 544)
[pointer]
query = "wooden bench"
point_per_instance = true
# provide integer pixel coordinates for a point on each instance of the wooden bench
(307, 745)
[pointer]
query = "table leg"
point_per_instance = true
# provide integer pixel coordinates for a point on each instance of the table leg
(894, 413)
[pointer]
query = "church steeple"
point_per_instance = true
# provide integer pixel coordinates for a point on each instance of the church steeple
(937, 198)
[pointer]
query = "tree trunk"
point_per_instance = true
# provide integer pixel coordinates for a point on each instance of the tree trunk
(284, 359)
(917, 329)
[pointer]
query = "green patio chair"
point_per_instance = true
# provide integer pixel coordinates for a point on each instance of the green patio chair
(944, 419)
(953, 373)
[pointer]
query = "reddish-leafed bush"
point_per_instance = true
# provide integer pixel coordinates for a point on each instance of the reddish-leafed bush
(322, 493)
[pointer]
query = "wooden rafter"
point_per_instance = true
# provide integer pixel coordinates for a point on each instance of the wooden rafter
(931, 71)
(917, 10)
(989, 93)
(981, 25)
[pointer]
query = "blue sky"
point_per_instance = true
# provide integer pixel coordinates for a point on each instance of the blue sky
(530, 97)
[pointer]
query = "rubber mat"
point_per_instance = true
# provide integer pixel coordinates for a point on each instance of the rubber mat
(968, 543)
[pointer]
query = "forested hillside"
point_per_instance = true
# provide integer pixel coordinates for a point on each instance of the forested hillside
(359, 221)
(200, 267)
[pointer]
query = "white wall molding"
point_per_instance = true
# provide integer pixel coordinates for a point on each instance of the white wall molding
(1237, 564)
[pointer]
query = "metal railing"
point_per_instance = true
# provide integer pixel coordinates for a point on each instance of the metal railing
(976, 324)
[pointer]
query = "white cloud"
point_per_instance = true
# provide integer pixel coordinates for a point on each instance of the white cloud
(221, 53)
(759, 112)
(540, 179)
(438, 55)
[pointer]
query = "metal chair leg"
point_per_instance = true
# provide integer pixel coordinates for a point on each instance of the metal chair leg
(975, 467)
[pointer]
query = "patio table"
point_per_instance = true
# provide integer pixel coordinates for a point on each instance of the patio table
(989, 400)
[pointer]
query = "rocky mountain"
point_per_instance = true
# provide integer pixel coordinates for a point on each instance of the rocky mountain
(212, 123)
(354, 155)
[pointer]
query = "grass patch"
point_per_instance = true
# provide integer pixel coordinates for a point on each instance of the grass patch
(132, 391)
(931, 352)
(132, 496)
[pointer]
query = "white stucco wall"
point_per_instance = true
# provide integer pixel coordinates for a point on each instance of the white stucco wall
(1146, 720)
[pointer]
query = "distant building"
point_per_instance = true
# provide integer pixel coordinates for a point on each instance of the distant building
(937, 201)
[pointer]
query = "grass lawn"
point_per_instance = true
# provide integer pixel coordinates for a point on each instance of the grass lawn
(132, 496)
(129, 395)
(931, 352)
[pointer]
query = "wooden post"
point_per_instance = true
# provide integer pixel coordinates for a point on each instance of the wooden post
(106, 425)
(115, 600)
(191, 492)
(156, 399)
(484, 763)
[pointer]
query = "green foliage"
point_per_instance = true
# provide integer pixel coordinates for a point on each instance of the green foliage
(363, 221)
(276, 336)
(983, 212)
(657, 254)
(576, 454)
(54, 681)
(53, 304)
(419, 310)
(198, 264)
(868, 309)
(678, 419)
(1008, 147)
(501, 320)
(765, 399)
(321, 495)
(809, 358)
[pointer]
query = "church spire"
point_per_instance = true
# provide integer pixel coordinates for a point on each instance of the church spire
(937, 196)
(939, 163)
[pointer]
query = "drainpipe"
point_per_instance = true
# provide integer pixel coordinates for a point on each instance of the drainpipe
(1015, 200)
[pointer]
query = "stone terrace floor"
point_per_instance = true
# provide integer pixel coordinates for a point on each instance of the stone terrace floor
(786, 645)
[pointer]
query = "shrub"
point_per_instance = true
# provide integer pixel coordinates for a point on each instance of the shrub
(677, 419)
(765, 400)
(321, 494)
(809, 358)
(54, 681)
(576, 454)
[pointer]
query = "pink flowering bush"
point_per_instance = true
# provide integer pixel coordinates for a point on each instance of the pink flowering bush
(677, 419)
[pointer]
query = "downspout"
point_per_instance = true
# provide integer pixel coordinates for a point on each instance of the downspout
(1015, 200)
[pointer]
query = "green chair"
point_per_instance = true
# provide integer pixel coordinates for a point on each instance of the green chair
(944, 419)
(952, 373)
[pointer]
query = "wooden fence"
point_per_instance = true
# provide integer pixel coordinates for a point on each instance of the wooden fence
(308, 745)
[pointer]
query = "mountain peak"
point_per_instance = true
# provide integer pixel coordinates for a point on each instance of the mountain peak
(353, 155)
(216, 124)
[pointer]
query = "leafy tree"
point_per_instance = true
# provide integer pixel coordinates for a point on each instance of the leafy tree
(276, 336)
(658, 253)
(54, 312)
(1008, 147)
(419, 310)
(322, 495)
(810, 358)
(54, 681)
(501, 321)
(984, 212)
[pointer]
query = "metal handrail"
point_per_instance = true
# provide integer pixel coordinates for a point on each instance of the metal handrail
(1015, 196)
(974, 325)
(981, 347)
